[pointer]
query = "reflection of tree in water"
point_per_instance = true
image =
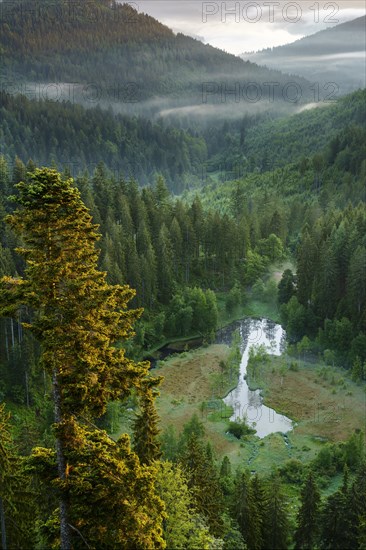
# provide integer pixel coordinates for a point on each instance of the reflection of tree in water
(254, 399)
(243, 338)
(255, 332)
(248, 405)
(237, 409)
(253, 414)
(270, 329)
(282, 345)
(244, 331)
(225, 334)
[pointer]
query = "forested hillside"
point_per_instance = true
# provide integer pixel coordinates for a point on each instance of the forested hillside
(145, 262)
(345, 37)
(226, 238)
(74, 137)
(264, 143)
(64, 133)
(124, 58)
(184, 485)
(335, 55)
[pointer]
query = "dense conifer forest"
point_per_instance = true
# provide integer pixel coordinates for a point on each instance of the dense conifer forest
(99, 42)
(124, 238)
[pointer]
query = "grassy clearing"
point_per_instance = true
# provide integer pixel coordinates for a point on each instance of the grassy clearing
(324, 401)
(192, 384)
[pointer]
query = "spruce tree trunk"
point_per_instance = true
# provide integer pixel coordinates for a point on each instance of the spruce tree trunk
(65, 530)
(3, 526)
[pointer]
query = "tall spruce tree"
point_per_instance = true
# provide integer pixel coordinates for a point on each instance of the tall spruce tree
(357, 508)
(259, 497)
(335, 522)
(145, 426)
(204, 483)
(75, 314)
(245, 511)
(308, 516)
(276, 524)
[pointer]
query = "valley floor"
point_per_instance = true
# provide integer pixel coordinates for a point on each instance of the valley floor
(324, 402)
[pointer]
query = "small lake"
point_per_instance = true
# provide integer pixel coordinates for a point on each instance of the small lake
(246, 403)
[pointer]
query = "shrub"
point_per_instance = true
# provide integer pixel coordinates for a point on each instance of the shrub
(239, 429)
(292, 471)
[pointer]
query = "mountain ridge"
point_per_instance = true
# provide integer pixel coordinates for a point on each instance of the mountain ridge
(335, 54)
(109, 44)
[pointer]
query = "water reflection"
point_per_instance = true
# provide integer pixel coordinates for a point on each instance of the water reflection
(246, 403)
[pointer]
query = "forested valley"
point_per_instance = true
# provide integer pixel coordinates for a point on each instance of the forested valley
(135, 251)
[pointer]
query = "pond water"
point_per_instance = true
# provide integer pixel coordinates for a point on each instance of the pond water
(246, 403)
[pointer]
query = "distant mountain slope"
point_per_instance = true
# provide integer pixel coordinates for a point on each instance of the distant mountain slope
(317, 158)
(125, 58)
(78, 139)
(332, 55)
(289, 139)
(275, 143)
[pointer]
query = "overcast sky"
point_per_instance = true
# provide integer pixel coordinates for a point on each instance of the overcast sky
(239, 26)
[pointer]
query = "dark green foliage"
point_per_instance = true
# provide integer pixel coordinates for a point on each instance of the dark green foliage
(192, 311)
(331, 284)
(356, 512)
(307, 133)
(246, 512)
(193, 428)
(235, 298)
(240, 429)
(286, 287)
(130, 147)
(358, 370)
(17, 500)
(225, 470)
(335, 524)
(297, 319)
(258, 491)
(145, 426)
(204, 482)
(292, 471)
(308, 516)
(276, 526)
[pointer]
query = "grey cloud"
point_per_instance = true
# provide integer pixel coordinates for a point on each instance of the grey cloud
(186, 16)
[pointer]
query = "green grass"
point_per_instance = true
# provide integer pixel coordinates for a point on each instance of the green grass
(217, 410)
